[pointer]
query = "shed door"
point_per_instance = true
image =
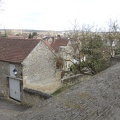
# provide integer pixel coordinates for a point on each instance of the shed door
(14, 85)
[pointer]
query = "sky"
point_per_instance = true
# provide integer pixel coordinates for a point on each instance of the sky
(57, 14)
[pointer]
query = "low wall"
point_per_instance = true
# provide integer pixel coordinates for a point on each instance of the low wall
(115, 60)
(74, 79)
(32, 97)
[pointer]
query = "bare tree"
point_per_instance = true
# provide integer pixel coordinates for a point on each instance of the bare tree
(112, 37)
(92, 48)
(88, 49)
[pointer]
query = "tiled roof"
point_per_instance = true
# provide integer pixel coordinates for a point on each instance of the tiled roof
(59, 42)
(16, 50)
(47, 44)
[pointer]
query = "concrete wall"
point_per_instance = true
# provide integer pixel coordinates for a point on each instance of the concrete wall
(39, 70)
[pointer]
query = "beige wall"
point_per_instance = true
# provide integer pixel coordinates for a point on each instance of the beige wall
(39, 70)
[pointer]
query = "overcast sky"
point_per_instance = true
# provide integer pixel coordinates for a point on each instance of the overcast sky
(57, 14)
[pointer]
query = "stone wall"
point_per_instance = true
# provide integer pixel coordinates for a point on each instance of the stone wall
(32, 97)
(4, 71)
(39, 70)
(74, 79)
(115, 60)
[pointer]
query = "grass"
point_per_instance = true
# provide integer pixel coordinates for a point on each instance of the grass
(65, 87)
(61, 90)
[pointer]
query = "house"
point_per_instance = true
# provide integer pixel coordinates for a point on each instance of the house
(69, 50)
(63, 49)
(27, 64)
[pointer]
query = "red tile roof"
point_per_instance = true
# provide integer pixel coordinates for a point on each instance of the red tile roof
(59, 42)
(48, 45)
(16, 50)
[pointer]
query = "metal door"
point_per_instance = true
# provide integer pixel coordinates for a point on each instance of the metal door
(14, 86)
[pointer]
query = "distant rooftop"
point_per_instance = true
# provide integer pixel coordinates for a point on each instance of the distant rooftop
(59, 42)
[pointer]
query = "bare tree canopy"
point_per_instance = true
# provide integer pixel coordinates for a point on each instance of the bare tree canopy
(93, 48)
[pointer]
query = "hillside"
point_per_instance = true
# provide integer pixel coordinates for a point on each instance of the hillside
(95, 99)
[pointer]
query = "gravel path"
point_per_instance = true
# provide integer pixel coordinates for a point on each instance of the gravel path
(8, 109)
(94, 99)
(6, 114)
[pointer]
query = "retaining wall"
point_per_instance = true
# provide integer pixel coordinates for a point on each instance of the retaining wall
(74, 79)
